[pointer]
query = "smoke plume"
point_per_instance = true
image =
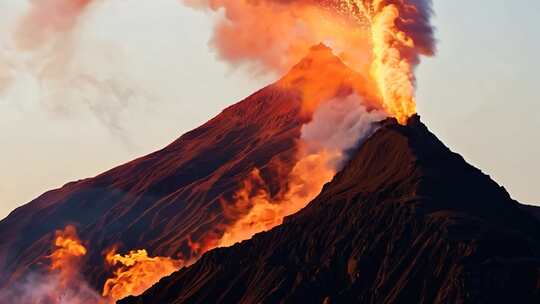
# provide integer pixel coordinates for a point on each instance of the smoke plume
(380, 38)
(273, 35)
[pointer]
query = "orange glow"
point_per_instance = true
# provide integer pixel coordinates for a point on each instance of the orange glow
(392, 72)
(135, 272)
(67, 255)
(395, 54)
(322, 76)
(262, 212)
(274, 35)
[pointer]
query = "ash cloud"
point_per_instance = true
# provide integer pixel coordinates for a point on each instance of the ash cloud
(271, 34)
(415, 20)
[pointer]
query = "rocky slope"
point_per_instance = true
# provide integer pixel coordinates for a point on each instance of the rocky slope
(406, 221)
(158, 201)
(165, 201)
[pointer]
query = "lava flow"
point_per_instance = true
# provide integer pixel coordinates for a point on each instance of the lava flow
(66, 258)
(135, 272)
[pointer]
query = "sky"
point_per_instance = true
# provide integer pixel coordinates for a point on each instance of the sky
(135, 75)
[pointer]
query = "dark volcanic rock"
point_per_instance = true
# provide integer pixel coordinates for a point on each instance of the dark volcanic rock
(534, 210)
(406, 221)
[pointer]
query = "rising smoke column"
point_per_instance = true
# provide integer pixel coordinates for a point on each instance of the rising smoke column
(401, 32)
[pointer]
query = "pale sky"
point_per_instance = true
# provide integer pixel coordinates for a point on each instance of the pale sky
(141, 73)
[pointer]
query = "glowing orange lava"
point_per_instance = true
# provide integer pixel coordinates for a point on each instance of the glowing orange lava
(66, 257)
(262, 212)
(135, 272)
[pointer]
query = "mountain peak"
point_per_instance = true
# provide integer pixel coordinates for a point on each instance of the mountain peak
(321, 76)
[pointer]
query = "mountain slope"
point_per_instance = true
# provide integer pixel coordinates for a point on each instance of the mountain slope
(406, 221)
(158, 201)
(169, 200)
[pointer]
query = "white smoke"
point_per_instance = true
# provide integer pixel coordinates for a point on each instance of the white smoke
(47, 288)
(338, 126)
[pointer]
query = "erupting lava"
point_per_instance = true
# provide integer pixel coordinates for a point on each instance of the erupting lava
(400, 32)
(135, 272)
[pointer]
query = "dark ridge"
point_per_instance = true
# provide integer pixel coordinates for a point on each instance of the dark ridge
(534, 210)
(406, 221)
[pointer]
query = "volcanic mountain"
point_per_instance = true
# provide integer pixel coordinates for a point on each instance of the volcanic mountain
(406, 221)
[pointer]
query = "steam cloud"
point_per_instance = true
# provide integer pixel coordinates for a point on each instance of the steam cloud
(48, 288)
(340, 125)
(273, 35)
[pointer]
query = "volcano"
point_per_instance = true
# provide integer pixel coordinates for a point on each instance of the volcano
(405, 220)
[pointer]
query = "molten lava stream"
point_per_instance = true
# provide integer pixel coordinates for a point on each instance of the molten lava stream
(135, 272)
